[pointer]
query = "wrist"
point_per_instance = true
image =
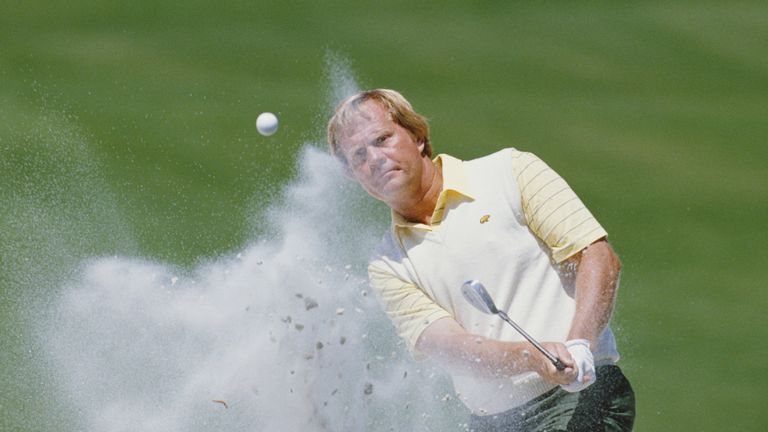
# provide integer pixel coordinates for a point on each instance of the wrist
(573, 342)
(591, 341)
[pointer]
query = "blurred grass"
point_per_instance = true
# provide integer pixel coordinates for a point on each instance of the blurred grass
(654, 112)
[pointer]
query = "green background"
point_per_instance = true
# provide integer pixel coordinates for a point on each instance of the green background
(655, 112)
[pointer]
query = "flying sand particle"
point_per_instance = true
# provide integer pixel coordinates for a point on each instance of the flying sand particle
(310, 303)
(221, 402)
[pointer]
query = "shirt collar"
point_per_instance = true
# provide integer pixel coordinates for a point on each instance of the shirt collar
(454, 177)
(454, 184)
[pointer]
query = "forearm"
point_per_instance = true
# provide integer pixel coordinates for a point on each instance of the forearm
(467, 354)
(597, 279)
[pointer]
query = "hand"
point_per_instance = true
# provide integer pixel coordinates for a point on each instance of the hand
(544, 367)
(585, 363)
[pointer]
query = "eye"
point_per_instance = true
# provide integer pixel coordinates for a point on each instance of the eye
(382, 138)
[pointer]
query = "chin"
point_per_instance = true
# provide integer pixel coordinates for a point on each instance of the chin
(391, 189)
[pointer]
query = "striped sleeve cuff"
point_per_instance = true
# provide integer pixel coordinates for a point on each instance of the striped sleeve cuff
(553, 211)
(408, 307)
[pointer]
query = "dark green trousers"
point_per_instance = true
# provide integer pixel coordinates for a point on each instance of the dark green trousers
(607, 405)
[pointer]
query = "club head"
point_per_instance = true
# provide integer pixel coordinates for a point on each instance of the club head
(474, 292)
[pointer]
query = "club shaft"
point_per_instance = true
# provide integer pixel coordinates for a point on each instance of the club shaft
(555, 361)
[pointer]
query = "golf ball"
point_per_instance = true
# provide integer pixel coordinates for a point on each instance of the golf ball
(266, 123)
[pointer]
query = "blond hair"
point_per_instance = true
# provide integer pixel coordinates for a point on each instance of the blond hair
(399, 109)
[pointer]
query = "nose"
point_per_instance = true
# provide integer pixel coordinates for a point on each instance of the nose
(376, 157)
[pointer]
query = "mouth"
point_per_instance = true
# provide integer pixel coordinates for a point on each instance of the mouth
(388, 174)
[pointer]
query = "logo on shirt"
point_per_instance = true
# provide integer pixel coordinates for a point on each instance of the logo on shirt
(485, 218)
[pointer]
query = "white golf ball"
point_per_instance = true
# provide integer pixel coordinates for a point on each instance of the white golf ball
(266, 123)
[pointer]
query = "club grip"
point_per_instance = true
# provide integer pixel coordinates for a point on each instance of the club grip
(559, 365)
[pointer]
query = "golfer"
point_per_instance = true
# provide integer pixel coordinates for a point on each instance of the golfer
(510, 221)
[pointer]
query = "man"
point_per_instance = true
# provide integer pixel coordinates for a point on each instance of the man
(511, 222)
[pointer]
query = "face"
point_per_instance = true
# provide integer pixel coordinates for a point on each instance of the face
(382, 156)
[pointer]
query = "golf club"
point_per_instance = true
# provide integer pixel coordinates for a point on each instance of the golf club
(475, 293)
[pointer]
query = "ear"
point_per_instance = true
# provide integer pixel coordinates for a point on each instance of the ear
(421, 147)
(345, 170)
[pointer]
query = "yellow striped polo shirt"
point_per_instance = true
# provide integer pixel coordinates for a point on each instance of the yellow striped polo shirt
(551, 210)
(506, 219)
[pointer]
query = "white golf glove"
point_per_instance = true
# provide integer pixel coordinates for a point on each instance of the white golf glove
(582, 356)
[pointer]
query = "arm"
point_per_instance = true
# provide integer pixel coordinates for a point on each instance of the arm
(431, 331)
(464, 353)
(597, 279)
(559, 218)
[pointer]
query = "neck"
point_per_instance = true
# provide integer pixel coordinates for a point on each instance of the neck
(421, 207)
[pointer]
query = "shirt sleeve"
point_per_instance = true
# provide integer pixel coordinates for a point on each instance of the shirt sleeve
(553, 211)
(408, 307)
